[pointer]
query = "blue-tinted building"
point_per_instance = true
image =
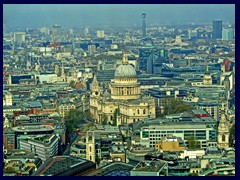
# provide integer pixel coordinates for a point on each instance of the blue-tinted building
(217, 29)
(151, 59)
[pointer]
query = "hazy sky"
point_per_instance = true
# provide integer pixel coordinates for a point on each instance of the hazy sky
(79, 15)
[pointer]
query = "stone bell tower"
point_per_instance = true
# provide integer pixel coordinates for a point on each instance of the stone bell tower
(223, 130)
(90, 146)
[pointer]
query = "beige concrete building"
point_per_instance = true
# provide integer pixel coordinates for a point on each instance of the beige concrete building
(124, 104)
(170, 144)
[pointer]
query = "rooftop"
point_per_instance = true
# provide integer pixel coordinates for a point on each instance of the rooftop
(62, 165)
(33, 128)
(150, 166)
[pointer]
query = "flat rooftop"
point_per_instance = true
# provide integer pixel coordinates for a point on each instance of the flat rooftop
(59, 165)
(149, 166)
(33, 128)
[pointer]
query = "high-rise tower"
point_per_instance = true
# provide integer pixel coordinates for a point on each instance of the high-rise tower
(217, 29)
(144, 33)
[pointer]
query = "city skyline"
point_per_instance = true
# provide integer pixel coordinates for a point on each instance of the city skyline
(79, 15)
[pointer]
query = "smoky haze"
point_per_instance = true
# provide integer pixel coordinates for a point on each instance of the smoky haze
(78, 15)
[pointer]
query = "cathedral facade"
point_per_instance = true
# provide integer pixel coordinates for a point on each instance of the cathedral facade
(124, 103)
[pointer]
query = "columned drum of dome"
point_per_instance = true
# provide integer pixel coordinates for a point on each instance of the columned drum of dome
(125, 85)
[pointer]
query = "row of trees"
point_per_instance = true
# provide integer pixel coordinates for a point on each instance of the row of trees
(175, 106)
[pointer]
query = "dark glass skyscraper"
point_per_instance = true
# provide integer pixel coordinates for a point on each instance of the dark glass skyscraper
(144, 33)
(217, 29)
(151, 59)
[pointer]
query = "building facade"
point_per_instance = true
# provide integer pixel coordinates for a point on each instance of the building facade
(124, 104)
(217, 29)
(44, 147)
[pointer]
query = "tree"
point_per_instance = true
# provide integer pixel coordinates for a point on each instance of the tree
(9, 170)
(232, 136)
(104, 120)
(193, 143)
(115, 117)
(97, 159)
(72, 84)
(193, 174)
(88, 116)
(177, 106)
(73, 119)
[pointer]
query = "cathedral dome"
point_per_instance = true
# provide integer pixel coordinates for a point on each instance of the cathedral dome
(125, 71)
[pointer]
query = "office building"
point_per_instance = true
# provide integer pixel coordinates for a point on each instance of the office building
(217, 29)
(192, 34)
(65, 166)
(7, 98)
(91, 49)
(152, 134)
(56, 31)
(44, 146)
(151, 59)
(19, 37)
(227, 34)
(150, 168)
(100, 34)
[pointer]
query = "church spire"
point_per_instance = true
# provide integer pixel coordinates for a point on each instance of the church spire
(223, 118)
(125, 59)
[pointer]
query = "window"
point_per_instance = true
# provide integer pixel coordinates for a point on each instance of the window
(223, 138)
(144, 111)
(145, 134)
(138, 111)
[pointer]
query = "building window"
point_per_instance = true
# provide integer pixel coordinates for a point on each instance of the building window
(90, 149)
(138, 111)
(144, 111)
(223, 138)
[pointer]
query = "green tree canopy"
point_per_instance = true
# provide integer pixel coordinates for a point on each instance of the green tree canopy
(178, 106)
(104, 120)
(74, 119)
(232, 135)
(193, 143)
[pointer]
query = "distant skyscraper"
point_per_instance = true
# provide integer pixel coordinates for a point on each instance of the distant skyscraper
(100, 34)
(19, 37)
(217, 29)
(86, 32)
(227, 34)
(56, 33)
(144, 33)
(151, 58)
(192, 34)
